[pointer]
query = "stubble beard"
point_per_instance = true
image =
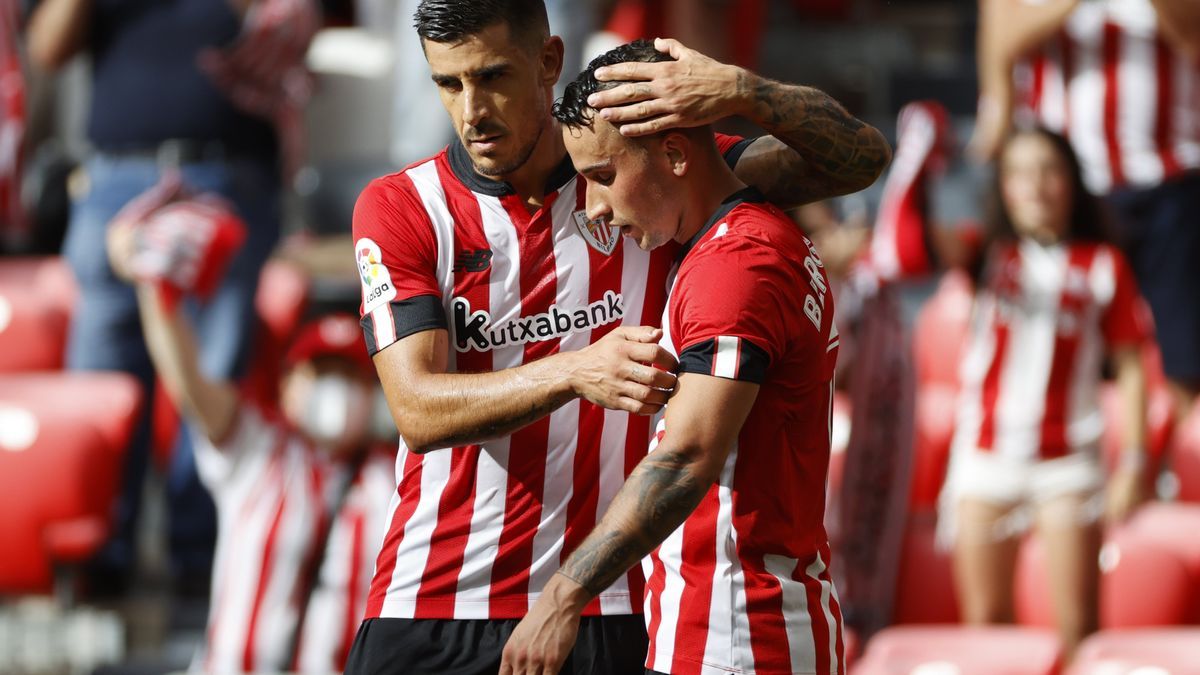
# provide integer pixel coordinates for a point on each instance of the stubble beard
(523, 156)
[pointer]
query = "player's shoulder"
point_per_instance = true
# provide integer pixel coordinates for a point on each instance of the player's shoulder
(399, 182)
(750, 230)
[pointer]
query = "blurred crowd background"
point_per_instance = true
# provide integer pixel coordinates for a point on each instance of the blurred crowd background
(107, 528)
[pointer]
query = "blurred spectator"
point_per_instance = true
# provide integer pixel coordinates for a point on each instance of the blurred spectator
(1052, 300)
(1121, 79)
(155, 105)
(301, 502)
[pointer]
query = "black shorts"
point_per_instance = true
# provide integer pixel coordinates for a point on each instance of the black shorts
(607, 645)
(1159, 229)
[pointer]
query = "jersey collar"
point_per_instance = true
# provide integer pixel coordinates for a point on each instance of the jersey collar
(747, 195)
(464, 170)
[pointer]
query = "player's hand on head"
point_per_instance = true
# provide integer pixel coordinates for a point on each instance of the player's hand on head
(690, 91)
(625, 370)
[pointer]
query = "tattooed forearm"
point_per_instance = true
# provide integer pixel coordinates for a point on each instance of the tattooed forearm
(837, 153)
(659, 495)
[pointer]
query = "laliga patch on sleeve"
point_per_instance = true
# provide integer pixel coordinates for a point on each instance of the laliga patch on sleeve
(377, 287)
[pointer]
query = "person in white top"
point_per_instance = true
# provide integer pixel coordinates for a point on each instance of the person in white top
(301, 500)
(1053, 299)
(1121, 80)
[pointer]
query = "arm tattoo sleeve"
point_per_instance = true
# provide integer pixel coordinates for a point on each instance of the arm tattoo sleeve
(659, 495)
(840, 153)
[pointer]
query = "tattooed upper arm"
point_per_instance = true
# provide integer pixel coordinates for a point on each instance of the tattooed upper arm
(817, 149)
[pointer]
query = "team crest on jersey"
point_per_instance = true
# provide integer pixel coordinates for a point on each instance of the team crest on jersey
(377, 288)
(597, 233)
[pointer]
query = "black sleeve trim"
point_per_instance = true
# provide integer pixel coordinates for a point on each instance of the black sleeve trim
(416, 314)
(743, 361)
(733, 154)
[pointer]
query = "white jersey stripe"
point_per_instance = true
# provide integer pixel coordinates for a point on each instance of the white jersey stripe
(414, 548)
(1022, 400)
(491, 478)
(384, 325)
(795, 613)
(1136, 107)
(1054, 90)
(725, 363)
(816, 570)
(1185, 113)
(720, 646)
(1086, 95)
(573, 274)
(433, 196)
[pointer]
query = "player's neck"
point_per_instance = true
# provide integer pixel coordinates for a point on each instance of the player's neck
(710, 185)
(530, 180)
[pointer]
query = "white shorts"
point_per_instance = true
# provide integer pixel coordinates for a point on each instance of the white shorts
(1018, 483)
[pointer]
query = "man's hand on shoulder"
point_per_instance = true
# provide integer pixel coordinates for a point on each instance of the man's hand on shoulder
(624, 370)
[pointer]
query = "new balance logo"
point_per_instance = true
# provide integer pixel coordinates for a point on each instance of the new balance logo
(473, 330)
(476, 260)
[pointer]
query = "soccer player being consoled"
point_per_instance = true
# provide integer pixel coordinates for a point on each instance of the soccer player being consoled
(725, 512)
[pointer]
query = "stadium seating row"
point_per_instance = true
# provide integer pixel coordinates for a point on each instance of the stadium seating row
(63, 434)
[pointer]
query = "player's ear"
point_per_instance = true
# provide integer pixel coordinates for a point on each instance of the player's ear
(551, 60)
(678, 149)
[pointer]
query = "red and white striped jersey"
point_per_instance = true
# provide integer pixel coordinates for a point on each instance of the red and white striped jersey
(1128, 101)
(743, 585)
(475, 531)
(272, 492)
(1041, 328)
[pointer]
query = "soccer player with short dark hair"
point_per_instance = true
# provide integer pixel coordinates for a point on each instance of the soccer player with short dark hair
(514, 336)
(727, 507)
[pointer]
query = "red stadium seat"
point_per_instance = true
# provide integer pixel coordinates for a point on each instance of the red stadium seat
(1142, 583)
(932, 435)
(49, 277)
(108, 401)
(1143, 651)
(961, 650)
(62, 436)
(925, 583)
(940, 332)
(1163, 523)
(1185, 457)
(939, 337)
(36, 298)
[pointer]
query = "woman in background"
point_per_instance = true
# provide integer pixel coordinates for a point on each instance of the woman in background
(1053, 299)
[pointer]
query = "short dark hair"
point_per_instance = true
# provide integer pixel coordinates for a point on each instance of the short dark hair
(455, 20)
(573, 109)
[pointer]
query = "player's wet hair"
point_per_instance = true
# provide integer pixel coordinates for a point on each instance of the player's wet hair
(451, 21)
(573, 109)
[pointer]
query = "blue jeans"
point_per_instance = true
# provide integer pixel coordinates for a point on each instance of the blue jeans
(106, 332)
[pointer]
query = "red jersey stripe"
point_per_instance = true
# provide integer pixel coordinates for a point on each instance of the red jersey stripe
(1111, 57)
